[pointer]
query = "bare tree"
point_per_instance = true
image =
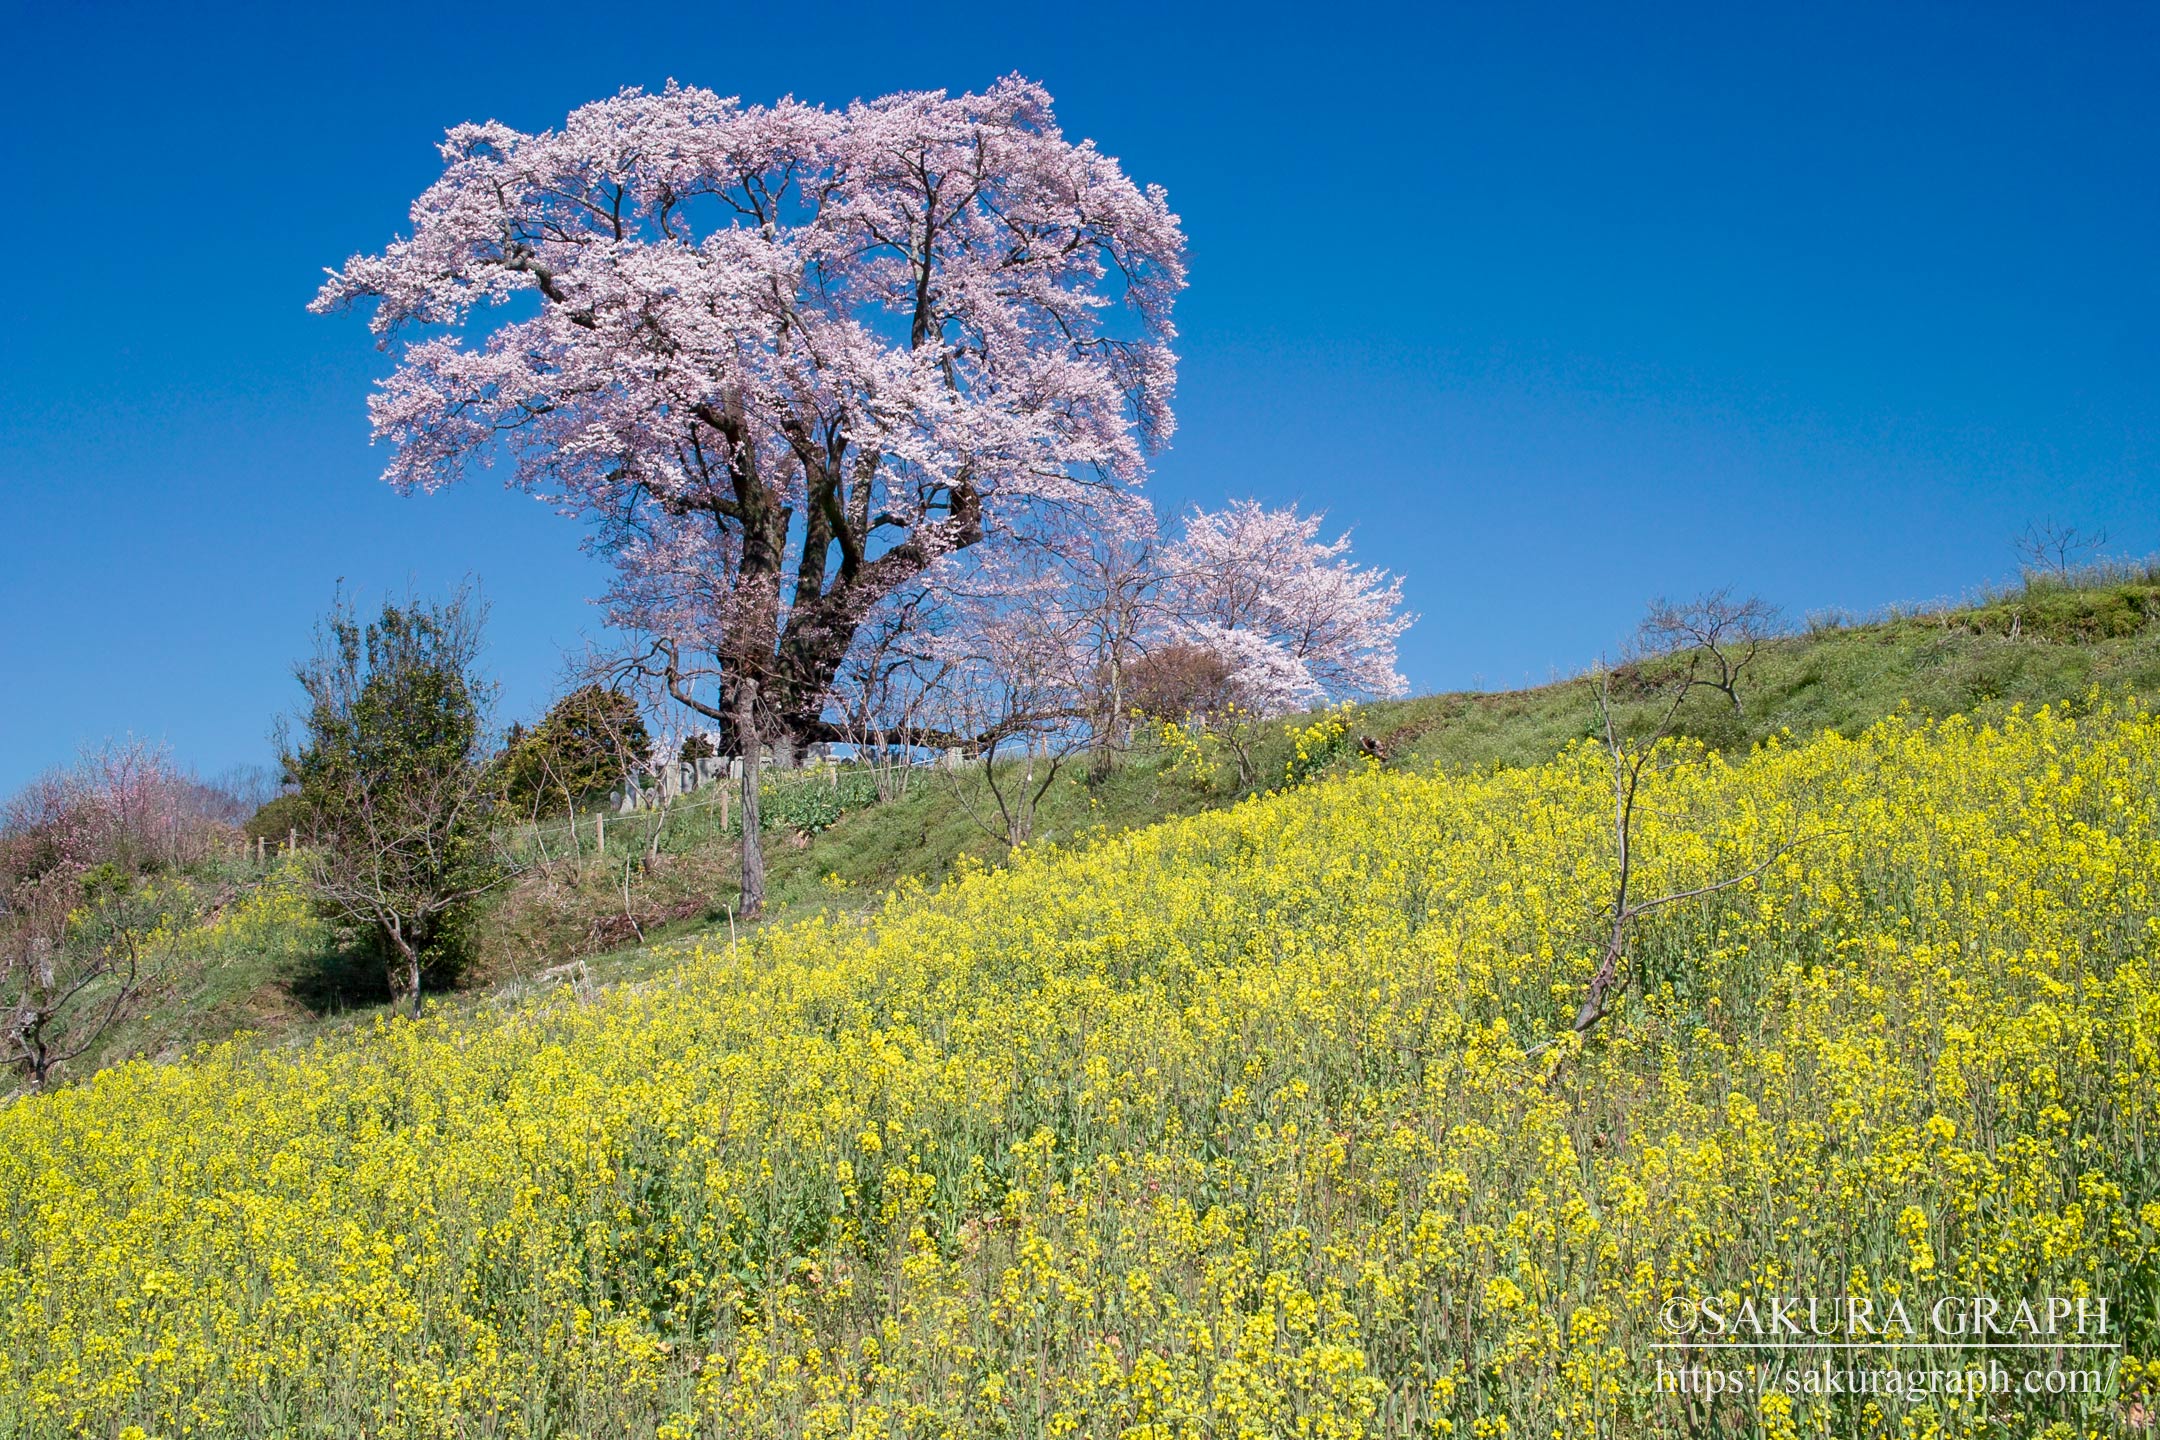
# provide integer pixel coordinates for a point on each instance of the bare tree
(1034, 756)
(885, 689)
(67, 971)
(1117, 605)
(1725, 633)
(1016, 685)
(2048, 548)
(1632, 751)
(554, 782)
(238, 791)
(589, 739)
(628, 747)
(1182, 683)
(1196, 687)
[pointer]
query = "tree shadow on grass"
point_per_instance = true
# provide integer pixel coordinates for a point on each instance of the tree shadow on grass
(349, 976)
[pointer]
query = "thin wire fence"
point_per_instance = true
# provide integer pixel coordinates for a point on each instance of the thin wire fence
(807, 801)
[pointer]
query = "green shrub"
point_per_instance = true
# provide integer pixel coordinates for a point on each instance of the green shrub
(279, 819)
(585, 744)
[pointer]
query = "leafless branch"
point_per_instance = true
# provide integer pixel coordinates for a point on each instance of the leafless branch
(2049, 548)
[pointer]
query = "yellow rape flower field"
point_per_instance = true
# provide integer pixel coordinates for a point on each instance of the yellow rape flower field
(1222, 1128)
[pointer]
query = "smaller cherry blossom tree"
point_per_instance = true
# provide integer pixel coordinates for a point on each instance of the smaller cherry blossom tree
(124, 802)
(1298, 622)
(72, 918)
(1044, 646)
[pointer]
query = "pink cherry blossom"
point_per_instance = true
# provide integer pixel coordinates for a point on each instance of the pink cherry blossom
(779, 359)
(1297, 620)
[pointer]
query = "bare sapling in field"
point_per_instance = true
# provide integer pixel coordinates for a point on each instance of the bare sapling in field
(1016, 685)
(1722, 635)
(592, 741)
(2057, 551)
(1679, 651)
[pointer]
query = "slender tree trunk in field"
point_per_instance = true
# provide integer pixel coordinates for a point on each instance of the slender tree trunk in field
(410, 954)
(753, 850)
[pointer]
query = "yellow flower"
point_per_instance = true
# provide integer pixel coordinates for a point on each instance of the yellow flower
(1267, 1121)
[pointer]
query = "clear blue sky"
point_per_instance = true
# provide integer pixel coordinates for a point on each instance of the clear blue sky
(1556, 307)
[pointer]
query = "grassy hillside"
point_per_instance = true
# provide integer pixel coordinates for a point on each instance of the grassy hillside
(1244, 1124)
(2047, 640)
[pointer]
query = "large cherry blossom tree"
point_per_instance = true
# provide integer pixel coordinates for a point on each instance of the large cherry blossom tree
(780, 359)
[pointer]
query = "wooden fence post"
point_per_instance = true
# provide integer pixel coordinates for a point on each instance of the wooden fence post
(599, 833)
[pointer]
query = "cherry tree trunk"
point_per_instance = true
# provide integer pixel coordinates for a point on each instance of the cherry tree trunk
(753, 848)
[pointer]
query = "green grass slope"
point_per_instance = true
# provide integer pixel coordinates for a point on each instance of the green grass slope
(2046, 640)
